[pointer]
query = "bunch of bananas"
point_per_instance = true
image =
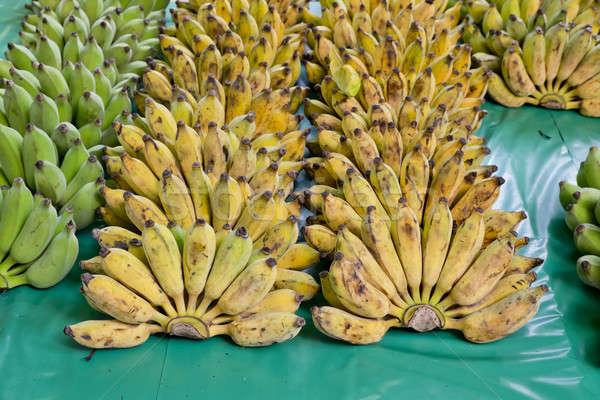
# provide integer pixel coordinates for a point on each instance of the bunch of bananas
(402, 201)
(542, 52)
(422, 246)
(233, 64)
(63, 87)
(403, 52)
(290, 11)
(38, 247)
(582, 205)
(176, 175)
(196, 283)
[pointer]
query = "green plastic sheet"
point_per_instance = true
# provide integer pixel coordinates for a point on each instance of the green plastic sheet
(555, 355)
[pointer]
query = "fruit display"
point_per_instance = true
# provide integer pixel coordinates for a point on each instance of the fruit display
(543, 53)
(63, 87)
(581, 202)
(403, 200)
(234, 65)
(38, 245)
(196, 283)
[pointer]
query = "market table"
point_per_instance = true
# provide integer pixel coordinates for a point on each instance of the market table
(557, 354)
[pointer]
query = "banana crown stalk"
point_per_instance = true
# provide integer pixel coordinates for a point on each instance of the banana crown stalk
(64, 85)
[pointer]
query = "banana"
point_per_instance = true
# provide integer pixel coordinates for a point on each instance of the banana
(11, 146)
(341, 325)
(247, 290)
(35, 235)
(437, 233)
(300, 282)
(110, 333)
(377, 238)
(534, 56)
(126, 268)
(117, 301)
(140, 210)
(487, 269)
(230, 259)
(515, 73)
(17, 204)
(165, 261)
(176, 200)
(261, 329)
(500, 319)
(56, 261)
(465, 246)
(198, 254)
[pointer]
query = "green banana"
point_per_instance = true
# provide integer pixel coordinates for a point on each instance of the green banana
(16, 207)
(11, 150)
(37, 145)
(85, 202)
(54, 264)
(587, 239)
(36, 234)
(44, 113)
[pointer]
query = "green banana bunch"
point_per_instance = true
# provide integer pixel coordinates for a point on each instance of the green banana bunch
(39, 245)
(541, 53)
(581, 202)
(63, 88)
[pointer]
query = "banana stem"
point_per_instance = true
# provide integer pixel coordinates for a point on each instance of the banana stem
(168, 307)
(18, 270)
(572, 105)
(396, 312)
(216, 330)
(18, 280)
(445, 304)
(416, 295)
(153, 328)
(6, 264)
(192, 302)
(435, 298)
(224, 319)
(394, 323)
(203, 307)
(180, 304)
(453, 323)
(212, 314)
(162, 319)
(426, 294)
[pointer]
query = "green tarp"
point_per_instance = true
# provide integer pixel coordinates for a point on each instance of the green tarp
(556, 355)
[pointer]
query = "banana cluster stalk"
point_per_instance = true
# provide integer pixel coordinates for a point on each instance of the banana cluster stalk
(581, 202)
(233, 64)
(197, 283)
(38, 246)
(63, 87)
(544, 53)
